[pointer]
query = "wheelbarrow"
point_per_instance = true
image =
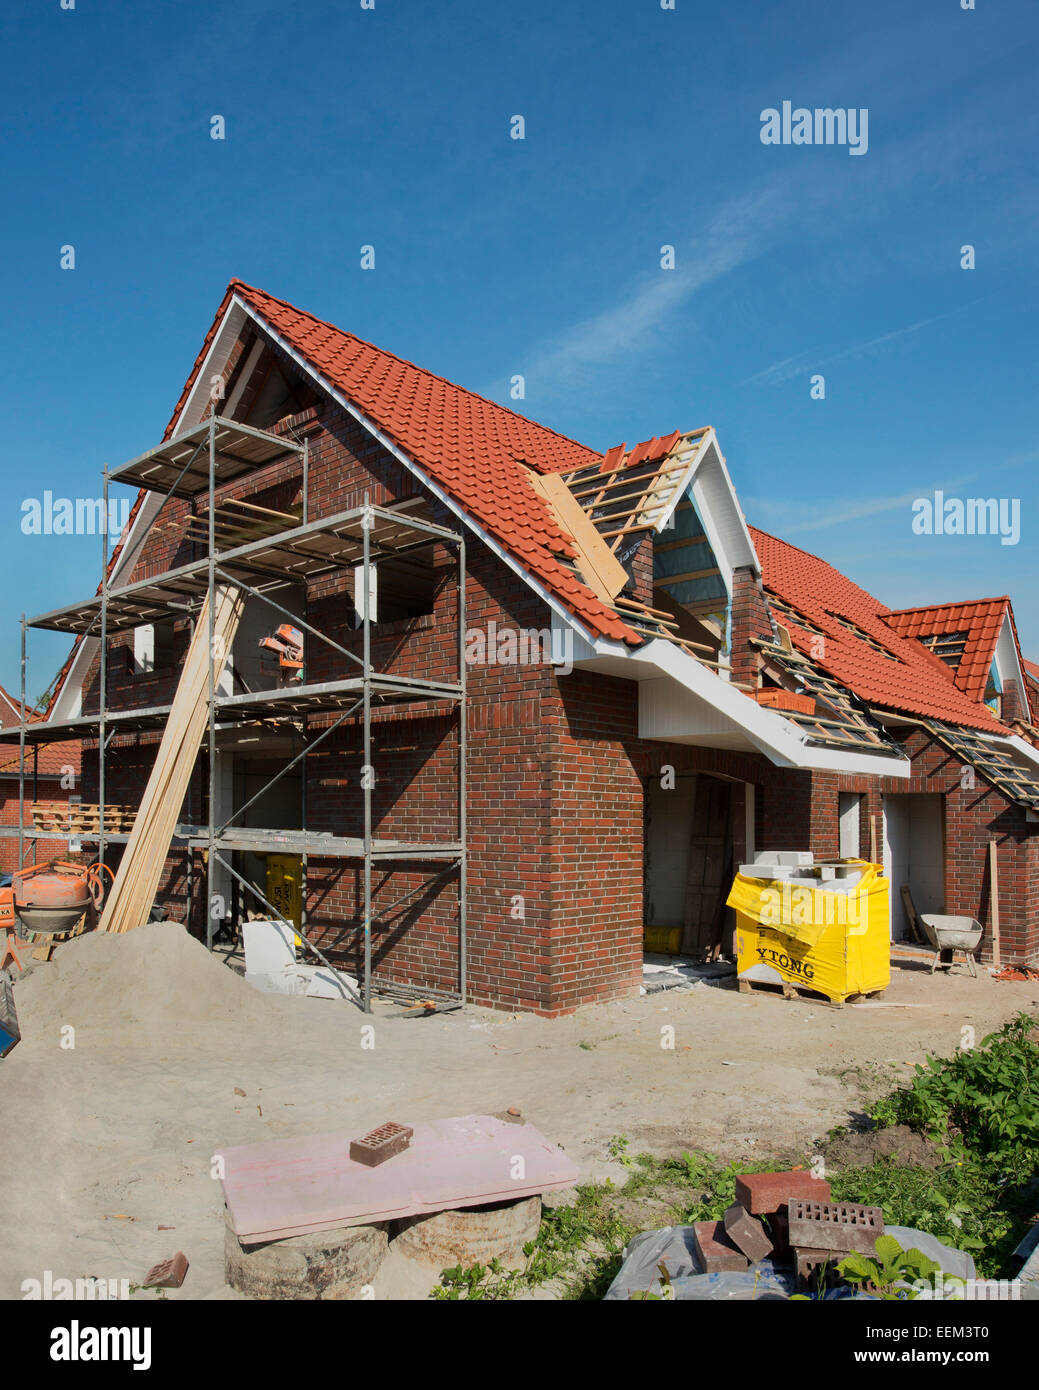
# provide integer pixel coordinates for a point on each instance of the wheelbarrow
(952, 934)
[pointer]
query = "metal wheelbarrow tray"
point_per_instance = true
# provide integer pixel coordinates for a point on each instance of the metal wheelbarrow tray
(952, 934)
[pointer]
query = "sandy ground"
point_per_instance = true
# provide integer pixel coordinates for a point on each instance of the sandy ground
(107, 1140)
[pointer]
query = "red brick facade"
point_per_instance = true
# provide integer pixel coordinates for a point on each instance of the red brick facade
(47, 789)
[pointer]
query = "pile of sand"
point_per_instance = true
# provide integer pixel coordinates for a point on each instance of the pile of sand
(156, 975)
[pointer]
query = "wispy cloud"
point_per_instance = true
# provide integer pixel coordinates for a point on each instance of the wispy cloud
(756, 223)
(790, 367)
(738, 233)
(789, 519)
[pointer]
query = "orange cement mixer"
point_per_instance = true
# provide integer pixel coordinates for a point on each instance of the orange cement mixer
(51, 898)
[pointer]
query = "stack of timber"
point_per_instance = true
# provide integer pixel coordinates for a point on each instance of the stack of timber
(137, 879)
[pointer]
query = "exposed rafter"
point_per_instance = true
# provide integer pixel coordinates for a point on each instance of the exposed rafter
(996, 764)
(838, 718)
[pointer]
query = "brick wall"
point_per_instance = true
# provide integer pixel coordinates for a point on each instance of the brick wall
(415, 749)
(600, 768)
(50, 789)
(1013, 706)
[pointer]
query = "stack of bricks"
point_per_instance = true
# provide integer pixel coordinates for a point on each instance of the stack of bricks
(756, 1225)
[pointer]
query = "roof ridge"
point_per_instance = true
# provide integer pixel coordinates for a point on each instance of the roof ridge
(413, 366)
(952, 603)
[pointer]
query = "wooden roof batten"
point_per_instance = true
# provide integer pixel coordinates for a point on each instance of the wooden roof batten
(630, 492)
(997, 765)
(845, 724)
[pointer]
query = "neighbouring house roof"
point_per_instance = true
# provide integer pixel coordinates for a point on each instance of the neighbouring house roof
(53, 758)
(10, 709)
(963, 635)
(845, 631)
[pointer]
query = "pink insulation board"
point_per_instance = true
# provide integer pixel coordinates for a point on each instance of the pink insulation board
(287, 1187)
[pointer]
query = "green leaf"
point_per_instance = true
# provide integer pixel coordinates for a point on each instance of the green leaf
(918, 1264)
(888, 1248)
(857, 1267)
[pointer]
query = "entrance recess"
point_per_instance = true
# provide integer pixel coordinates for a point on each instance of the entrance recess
(914, 854)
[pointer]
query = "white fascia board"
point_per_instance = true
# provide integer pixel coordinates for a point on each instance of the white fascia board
(1006, 658)
(777, 738)
(14, 708)
(718, 508)
(553, 603)
(1021, 747)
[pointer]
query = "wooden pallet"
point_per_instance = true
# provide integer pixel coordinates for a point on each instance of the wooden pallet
(82, 818)
(789, 990)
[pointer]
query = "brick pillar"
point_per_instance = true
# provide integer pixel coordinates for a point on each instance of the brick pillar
(1013, 706)
(750, 618)
(641, 567)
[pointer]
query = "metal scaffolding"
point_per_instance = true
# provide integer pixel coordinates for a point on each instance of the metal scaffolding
(262, 555)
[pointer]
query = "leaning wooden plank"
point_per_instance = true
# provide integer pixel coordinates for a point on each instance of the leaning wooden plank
(600, 568)
(175, 759)
(137, 880)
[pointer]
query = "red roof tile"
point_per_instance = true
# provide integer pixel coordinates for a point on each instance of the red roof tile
(981, 619)
(53, 760)
(914, 682)
(471, 447)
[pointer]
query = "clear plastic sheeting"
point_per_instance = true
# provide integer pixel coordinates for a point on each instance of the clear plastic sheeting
(673, 1247)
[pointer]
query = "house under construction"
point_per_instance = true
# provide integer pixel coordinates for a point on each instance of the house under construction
(492, 703)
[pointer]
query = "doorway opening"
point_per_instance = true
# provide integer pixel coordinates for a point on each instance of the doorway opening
(914, 854)
(688, 864)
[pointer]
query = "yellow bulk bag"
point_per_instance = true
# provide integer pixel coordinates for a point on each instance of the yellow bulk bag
(794, 933)
(285, 887)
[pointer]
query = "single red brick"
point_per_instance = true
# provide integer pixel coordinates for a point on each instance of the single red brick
(167, 1274)
(764, 1193)
(380, 1144)
(747, 1233)
(716, 1251)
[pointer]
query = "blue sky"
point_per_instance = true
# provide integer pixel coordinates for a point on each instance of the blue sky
(542, 257)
